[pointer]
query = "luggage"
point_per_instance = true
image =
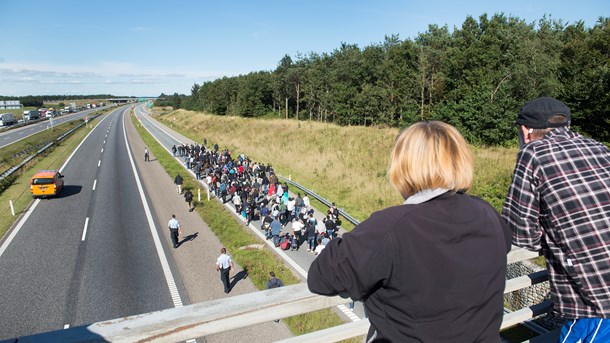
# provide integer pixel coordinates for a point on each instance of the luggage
(285, 243)
(294, 244)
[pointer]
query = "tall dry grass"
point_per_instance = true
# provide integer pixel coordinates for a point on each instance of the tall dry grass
(347, 165)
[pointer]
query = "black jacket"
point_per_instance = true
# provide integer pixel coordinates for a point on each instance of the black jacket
(431, 272)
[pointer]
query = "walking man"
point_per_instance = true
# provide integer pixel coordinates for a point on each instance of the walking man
(224, 265)
(188, 197)
(145, 154)
(274, 282)
(174, 230)
(178, 182)
(559, 202)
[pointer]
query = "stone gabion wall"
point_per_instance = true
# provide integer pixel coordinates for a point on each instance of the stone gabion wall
(531, 295)
(526, 296)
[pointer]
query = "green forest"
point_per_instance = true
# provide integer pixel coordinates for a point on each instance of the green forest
(475, 77)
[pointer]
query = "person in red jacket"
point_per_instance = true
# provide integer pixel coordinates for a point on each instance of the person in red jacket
(433, 268)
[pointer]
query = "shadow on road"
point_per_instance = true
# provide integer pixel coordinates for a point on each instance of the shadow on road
(238, 277)
(188, 238)
(70, 190)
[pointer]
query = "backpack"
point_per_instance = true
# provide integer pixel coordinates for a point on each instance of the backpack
(285, 244)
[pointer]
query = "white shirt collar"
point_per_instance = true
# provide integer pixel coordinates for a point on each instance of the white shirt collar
(424, 195)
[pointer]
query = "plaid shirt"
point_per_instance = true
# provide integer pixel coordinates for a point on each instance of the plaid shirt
(559, 201)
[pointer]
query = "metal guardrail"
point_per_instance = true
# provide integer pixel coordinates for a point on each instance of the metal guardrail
(14, 169)
(320, 199)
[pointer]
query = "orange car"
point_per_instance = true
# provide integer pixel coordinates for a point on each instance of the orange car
(46, 183)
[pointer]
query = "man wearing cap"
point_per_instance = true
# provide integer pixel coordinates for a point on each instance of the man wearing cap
(559, 202)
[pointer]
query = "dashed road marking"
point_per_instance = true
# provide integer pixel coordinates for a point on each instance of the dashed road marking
(85, 230)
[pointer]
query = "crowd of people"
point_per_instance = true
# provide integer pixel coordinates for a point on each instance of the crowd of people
(256, 193)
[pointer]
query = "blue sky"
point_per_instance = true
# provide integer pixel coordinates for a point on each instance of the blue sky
(143, 48)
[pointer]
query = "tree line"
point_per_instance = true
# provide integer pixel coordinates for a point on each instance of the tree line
(475, 77)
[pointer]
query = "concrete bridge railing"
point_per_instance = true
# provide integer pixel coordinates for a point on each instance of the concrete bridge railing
(211, 317)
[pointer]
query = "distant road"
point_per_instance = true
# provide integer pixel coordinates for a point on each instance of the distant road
(11, 136)
(57, 273)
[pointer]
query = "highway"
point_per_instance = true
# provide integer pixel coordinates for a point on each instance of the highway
(89, 254)
(11, 136)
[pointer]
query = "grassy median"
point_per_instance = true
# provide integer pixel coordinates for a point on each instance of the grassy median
(233, 235)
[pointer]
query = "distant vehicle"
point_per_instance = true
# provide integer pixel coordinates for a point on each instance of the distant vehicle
(46, 183)
(42, 111)
(50, 113)
(31, 115)
(7, 119)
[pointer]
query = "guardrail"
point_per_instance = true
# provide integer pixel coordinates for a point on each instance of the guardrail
(216, 316)
(326, 202)
(14, 169)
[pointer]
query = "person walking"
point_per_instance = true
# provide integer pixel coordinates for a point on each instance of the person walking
(559, 203)
(310, 232)
(145, 154)
(178, 180)
(224, 265)
(174, 230)
(274, 282)
(188, 197)
(433, 268)
(276, 229)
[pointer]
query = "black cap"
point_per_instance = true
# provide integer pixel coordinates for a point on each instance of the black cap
(536, 113)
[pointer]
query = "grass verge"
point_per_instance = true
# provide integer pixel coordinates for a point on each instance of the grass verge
(12, 154)
(18, 191)
(233, 235)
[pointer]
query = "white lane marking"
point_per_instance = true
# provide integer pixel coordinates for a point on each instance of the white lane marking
(94, 183)
(169, 278)
(85, 230)
(104, 142)
(99, 163)
(102, 150)
(20, 224)
(67, 326)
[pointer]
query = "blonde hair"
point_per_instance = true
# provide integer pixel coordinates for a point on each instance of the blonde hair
(429, 155)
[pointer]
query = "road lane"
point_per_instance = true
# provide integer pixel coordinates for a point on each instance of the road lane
(9, 137)
(52, 278)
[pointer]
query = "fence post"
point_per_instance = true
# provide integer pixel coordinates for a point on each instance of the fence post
(199, 194)
(208, 188)
(12, 208)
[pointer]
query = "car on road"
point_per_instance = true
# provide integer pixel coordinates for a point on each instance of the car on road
(46, 183)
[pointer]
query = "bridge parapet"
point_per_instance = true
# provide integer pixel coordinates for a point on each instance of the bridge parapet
(211, 317)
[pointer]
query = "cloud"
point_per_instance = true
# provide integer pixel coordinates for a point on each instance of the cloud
(112, 77)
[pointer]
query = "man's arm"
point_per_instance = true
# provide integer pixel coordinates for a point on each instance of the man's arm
(521, 209)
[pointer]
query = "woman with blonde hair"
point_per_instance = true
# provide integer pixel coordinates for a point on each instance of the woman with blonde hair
(431, 269)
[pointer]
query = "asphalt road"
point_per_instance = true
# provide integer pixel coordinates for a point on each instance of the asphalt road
(11, 136)
(56, 273)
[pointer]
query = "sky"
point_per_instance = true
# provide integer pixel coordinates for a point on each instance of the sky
(145, 48)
